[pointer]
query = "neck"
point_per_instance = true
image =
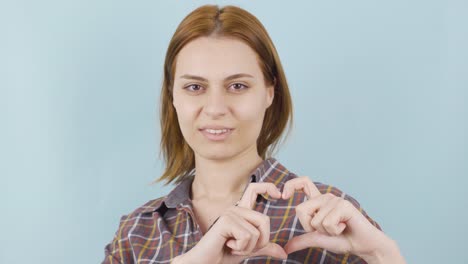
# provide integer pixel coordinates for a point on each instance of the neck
(223, 179)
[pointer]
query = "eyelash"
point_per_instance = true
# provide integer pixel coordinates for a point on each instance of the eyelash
(188, 87)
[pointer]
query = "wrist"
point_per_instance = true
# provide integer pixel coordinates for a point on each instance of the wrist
(177, 260)
(183, 259)
(192, 257)
(386, 252)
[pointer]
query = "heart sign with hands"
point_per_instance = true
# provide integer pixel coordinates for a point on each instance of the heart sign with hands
(330, 222)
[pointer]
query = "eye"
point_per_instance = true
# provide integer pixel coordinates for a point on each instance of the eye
(238, 86)
(193, 87)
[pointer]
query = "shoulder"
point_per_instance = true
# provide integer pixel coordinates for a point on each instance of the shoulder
(120, 249)
(128, 221)
(137, 217)
(148, 207)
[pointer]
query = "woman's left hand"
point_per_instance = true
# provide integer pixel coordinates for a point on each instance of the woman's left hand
(335, 224)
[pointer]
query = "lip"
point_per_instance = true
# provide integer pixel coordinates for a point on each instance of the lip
(215, 127)
(216, 137)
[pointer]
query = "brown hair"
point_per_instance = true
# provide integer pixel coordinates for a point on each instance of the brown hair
(229, 21)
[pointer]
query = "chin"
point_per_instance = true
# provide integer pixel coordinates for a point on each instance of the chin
(216, 156)
(216, 153)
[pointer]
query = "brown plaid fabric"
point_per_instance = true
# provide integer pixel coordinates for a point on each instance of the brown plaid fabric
(165, 227)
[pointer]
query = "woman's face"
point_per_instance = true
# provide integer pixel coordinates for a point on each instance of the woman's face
(220, 97)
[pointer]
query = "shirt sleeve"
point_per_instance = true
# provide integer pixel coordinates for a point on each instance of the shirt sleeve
(118, 251)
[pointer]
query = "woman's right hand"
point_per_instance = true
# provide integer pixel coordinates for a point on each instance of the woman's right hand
(239, 233)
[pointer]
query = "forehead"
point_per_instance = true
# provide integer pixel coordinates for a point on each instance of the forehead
(216, 57)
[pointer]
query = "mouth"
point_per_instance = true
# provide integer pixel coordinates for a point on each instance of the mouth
(218, 134)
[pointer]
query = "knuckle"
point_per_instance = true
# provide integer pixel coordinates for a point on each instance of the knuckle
(300, 210)
(256, 234)
(246, 235)
(327, 223)
(315, 224)
(335, 200)
(346, 203)
(307, 179)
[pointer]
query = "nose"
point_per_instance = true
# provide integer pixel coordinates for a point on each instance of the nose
(215, 104)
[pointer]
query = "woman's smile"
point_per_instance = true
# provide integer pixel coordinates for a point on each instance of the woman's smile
(216, 134)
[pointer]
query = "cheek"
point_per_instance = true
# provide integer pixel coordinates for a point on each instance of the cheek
(251, 108)
(251, 113)
(251, 117)
(186, 113)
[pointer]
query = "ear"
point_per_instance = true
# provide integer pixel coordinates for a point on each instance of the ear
(174, 101)
(271, 93)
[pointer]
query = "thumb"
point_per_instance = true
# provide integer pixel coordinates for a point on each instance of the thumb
(316, 239)
(272, 250)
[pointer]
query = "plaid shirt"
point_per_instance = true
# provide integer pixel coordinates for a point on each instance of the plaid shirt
(166, 227)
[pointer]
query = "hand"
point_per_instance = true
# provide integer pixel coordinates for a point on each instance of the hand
(239, 233)
(332, 223)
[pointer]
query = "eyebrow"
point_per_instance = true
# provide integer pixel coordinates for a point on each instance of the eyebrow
(231, 77)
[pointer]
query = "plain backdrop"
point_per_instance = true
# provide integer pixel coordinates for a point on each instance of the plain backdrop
(380, 103)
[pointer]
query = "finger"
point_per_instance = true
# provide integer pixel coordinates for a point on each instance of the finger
(333, 228)
(239, 243)
(238, 235)
(307, 210)
(336, 219)
(251, 236)
(316, 239)
(301, 183)
(234, 229)
(305, 216)
(260, 221)
(330, 202)
(254, 189)
(272, 250)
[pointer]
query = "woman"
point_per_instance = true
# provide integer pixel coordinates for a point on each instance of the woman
(225, 104)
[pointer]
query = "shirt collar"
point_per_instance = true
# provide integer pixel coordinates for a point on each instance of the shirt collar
(270, 170)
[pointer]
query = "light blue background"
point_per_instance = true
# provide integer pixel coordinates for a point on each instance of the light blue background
(380, 99)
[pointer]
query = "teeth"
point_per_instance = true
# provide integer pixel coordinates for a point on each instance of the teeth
(216, 132)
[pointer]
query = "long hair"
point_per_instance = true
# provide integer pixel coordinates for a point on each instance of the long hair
(234, 22)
